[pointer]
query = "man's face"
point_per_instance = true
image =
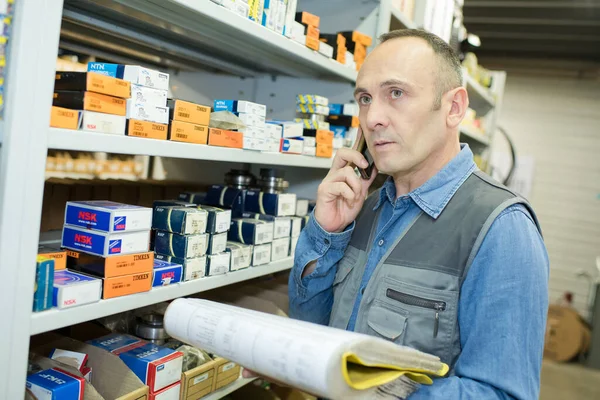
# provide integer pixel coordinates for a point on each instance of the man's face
(396, 91)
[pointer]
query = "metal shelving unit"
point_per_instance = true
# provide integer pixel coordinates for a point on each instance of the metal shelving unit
(224, 391)
(480, 98)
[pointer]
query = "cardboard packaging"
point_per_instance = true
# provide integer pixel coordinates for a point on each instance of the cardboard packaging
(326, 49)
(73, 358)
(272, 145)
(92, 82)
(103, 123)
(321, 136)
(125, 285)
(309, 151)
(312, 99)
(172, 203)
(219, 219)
(289, 128)
(156, 366)
(217, 243)
(132, 73)
(241, 8)
(64, 118)
(290, 14)
(89, 101)
(225, 196)
(336, 109)
(44, 283)
(147, 112)
(198, 382)
(312, 38)
(312, 124)
(240, 106)
(166, 273)
(293, 244)
(241, 255)
(301, 208)
(108, 216)
(258, 132)
(169, 393)
(296, 226)
(281, 225)
(308, 142)
(312, 109)
(273, 130)
(261, 254)
(280, 17)
(308, 19)
(255, 11)
(72, 289)
(358, 37)
(147, 96)
(109, 267)
(55, 253)
(181, 220)
(223, 138)
(269, 17)
(324, 150)
(338, 131)
(185, 111)
(277, 204)
(254, 144)
(280, 248)
(250, 231)
(291, 146)
(227, 372)
(218, 264)
(251, 119)
(189, 133)
(344, 120)
(188, 246)
(193, 268)
(117, 343)
(145, 129)
(56, 383)
(338, 143)
(192, 197)
(104, 244)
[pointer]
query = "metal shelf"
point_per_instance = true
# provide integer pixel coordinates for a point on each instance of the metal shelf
(224, 391)
(399, 18)
(66, 139)
(54, 319)
(480, 98)
(476, 136)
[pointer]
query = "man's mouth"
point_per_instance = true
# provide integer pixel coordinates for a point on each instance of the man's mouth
(382, 143)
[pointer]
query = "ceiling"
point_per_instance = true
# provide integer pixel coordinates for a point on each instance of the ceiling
(532, 29)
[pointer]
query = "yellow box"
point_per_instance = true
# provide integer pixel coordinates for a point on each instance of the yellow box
(223, 138)
(125, 285)
(185, 111)
(64, 118)
(146, 129)
(186, 132)
(324, 150)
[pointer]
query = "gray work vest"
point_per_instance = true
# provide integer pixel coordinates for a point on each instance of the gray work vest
(412, 296)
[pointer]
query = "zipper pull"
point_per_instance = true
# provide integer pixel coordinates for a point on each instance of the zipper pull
(436, 324)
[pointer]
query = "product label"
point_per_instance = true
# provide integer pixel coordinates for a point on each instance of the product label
(85, 241)
(147, 129)
(218, 263)
(262, 254)
(120, 223)
(228, 366)
(114, 246)
(200, 378)
(196, 246)
(218, 243)
(263, 233)
(286, 204)
(91, 219)
(223, 220)
(195, 223)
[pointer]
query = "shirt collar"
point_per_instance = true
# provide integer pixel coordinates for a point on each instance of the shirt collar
(433, 196)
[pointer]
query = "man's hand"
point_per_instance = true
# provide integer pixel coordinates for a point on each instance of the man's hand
(342, 193)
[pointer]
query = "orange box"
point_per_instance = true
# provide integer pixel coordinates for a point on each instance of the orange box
(324, 137)
(312, 43)
(146, 129)
(125, 285)
(308, 19)
(109, 267)
(223, 138)
(360, 52)
(64, 118)
(59, 256)
(190, 133)
(89, 101)
(324, 150)
(341, 40)
(313, 33)
(360, 38)
(92, 82)
(185, 111)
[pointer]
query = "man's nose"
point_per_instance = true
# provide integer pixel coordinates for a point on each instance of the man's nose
(376, 117)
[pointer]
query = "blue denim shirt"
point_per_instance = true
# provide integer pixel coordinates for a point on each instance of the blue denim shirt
(504, 298)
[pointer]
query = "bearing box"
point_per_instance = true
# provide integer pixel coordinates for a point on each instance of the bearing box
(308, 19)
(185, 111)
(219, 219)
(251, 231)
(58, 255)
(223, 138)
(147, 112)
(108, 216)
(280, 249)
(192, 197)
(148, 96)
(65, 118)
(189, 133)
(72, 289)
(312, 108)
(301, 208)
(293, 244)
(103, 123)
(281, 225)
(225, 196)
(104, 244)
(312, 99)
(145, 129)
(240, 106)
(92, 82)
(261, 254)
(241, 255)
(324, 150)
(166, 273)
(296, 226)
(172, 203)
(169, 393)
(255, 144)
(193, 268)
(156, 366)
(291, 146)
(258, 132)
(181, 220)
(44, 283)
(218, 264)
(272, 145)
(90, 101)
(54, 384)
(181, 246)
(109, 267)
(125, 285)
(277, 204)
(309, 151)
(251, 119)
(289, 128)
(117, 343)
(143, 76)
(273, 130)
(217, 243)
(321, 136)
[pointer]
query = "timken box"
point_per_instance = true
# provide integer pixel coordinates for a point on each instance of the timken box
(103, 123)
(147, 112)
(223, 138)
(251, 231)
(55, 384)
(185, 111)
(109, 267)
(166, 273)
(181, 220)
(89, 101)
(193, 268)
(156, 366)
(324, 150)
(65, 118)
(189, 133)
(125, 285)
(145, 129)
(105, 244)
(92, 82)
(188, 246)
(240, 106)
(358, 37)
(241, 255)
(108, 216)
(261, 254)
(58, 255)
(72, 289)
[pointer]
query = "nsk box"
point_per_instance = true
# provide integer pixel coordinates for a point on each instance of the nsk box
(291, 146)
(108, 216)
(105, 244)
(261, 254)
(148, 96)
(72, 289)
(219, 219)
(103, 123)
(171, 392)
(217, 243)
(193, 268)
(108, 267)
(277, 204)
(241, 255)
(92, 82)
(280, 249)
(251, 231)
(218, 264)
(182, 220)
(147, 112)
(182, 246)
(166, 273)
(240, 106)
(281, 225)
(251, 119)
(44, 280)
(56, 384)
(117, 343)
(296, 226)
(156, 366)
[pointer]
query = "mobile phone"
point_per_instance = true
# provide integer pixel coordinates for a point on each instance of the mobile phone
(362, 148)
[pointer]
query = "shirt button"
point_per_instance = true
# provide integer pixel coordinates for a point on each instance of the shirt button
(326, 241)
(381, 242)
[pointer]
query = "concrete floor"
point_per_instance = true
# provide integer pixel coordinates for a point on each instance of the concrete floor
(569, 381)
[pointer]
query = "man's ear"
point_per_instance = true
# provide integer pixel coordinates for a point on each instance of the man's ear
(459, 100)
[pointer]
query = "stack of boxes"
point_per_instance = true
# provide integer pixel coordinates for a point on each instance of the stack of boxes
(255, 134)
(306, 30)
(312, 110)
(189, 121)
(279, 133)
(337, 42)
(347, 114)
(357, 44)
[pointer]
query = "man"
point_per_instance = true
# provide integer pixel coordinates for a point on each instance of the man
(441, 258)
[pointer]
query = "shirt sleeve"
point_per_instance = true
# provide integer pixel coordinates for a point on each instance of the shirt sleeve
(311, 297)
(502, 316)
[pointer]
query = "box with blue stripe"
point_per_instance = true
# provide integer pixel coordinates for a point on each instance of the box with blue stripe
(193, 268)
(251, 231)
(44, 283)
(166, 273)
(276, 204)
(104, 244)
(56, 383)
(108, 216)
(182, 220)
(172, 203)
(182, 246)
(156, 366)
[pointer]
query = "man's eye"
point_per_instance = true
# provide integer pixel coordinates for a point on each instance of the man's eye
(364, 100)
(396, 93)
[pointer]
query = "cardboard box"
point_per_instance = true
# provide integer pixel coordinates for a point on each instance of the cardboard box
(269, 16)
(255, 11)
(223, 138)
(261, 254)
(156, 366)
(217, 243)
(310, 142)
(258, 132)
(147, 96)
(109, 267)
(338, 131)
(172, 203)
(55, 253)
(312, 124)
(181, 220)
(280, 248)
(293, 244)
(198, 382)
(219, 219)
(338, 143)
(192, 197)
(291, 146)
(64, 118)
(301, 207)
(89, 101)
(326, 49)
(166, 273)
(289, 128)
(125, 285)
(172, 392)
(298, 33)
(324, 150)
(308, 19)
(56, 383)
(312, 99)
(312, 109)
(188, 246)
(281, 225)
(305, 221)
(225, 196)
(344, 120)
(227, 372)
(250, 231)
(103, 243)
(241, 255)
(254, 144)
(44, 283)
(185, 111)
(272, 145)
(277, 204)
(117, 343)
(108, 216)
(280, 16)
(296, 226)
(218, 264)
(147, 112)
(240, 106)
(273, 130)
(193, 268)
(290, 14)
(145, 129)
(321, 136)
(144, 76)
(92, 82)
(251, 119)
(72, 358)
(103, 123)
(312, 38)
(189, 133)
(241, 8)
(72, 289)
(358, 37)
(309, 151)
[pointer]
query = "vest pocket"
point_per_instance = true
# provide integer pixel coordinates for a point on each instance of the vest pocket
(387, 323)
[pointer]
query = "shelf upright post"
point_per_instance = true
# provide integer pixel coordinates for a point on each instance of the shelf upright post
(31, 67)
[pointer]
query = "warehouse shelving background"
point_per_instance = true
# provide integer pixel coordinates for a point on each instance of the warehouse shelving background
(203, 41)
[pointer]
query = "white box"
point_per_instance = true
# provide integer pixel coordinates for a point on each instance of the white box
(251, 119)
(148, 96)
(169, 393)
(252, 143)
(296, 226)
(273, 130)
(290, 15)
(228, 4)
(103, 123)
(241, 8)
(194, 268)
(301, 207)
(301, 39)
(217, 243)
(291, 128)
(309, 141)
(108, 216)
(146, 77)
(326, 49)
(293, 244)
(280, 249)
(282, 227)
(291, 146)
(249, 107)
(72, 289)
(280, 17)
(218, 264)
(241, 255)
(272, 145)
(269, 14)
(147, 112)
(261, 254)
(309, 151)
(350, 109)
(297, 30)
(105, 244)
(254, 131)
(338, 143)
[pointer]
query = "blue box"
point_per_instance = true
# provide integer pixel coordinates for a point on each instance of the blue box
(225, 196)
(172, 203)
(182, 246)
(277, 204)
(219, 219)
(72, 289)
(166, 273)
(56, 384)
(44, 284)
(156, 366)
(117, 343)
(192, 197)
(336, 109)
(193, 268)
(104, 244)
(114, 70)
(182, 220)
(251, 231)
(338, 131)
(108, 216)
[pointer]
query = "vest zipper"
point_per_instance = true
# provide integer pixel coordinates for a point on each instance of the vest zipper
(416, 301)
